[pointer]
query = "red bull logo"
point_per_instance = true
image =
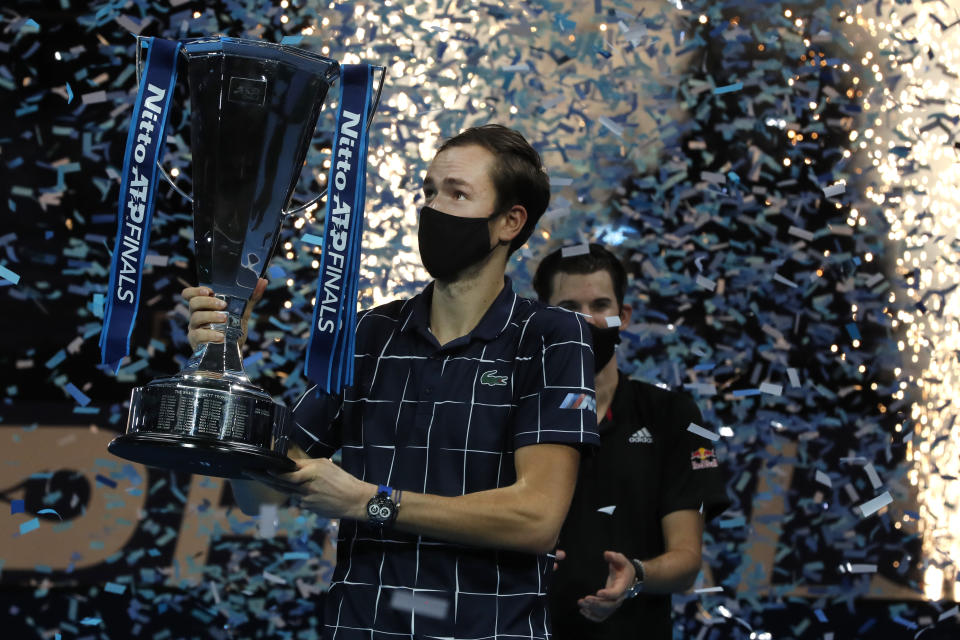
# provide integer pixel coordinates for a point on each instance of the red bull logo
(703, 458)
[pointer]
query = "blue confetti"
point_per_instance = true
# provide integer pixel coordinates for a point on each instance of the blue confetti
(56, 359)
(736, 86)
(732, 522)
(106, 481)
(29, 525)
(8, 275)
(81, 398)
(113, 587)
(853, 331)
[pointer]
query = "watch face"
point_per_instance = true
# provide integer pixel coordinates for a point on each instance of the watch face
(380, 509)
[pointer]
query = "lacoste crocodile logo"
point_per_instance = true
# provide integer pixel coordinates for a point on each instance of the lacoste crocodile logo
(491, 379)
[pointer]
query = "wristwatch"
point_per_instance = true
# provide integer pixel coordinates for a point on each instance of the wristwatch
(381, 509)
(637, 585)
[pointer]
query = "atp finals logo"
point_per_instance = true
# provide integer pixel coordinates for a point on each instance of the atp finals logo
(336, 260)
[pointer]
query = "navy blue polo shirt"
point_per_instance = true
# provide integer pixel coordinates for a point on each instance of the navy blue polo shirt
(447, 421)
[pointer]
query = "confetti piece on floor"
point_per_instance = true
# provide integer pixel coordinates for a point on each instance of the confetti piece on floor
(105, 481)
(29, 525)
(607, 510)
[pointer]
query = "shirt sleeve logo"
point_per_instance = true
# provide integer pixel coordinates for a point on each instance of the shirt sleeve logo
(491, 379)
(579, 401)
(703, 458)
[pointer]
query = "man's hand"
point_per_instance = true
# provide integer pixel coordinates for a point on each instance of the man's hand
(206, 310)
(621, 576)
(330, 491)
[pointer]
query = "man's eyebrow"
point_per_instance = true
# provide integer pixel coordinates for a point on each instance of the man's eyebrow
(449, 181)
(455, 182)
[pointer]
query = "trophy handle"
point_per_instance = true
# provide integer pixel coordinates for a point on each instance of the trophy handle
(370, 116)
(163, 172)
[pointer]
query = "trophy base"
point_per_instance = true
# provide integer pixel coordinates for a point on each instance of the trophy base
(198, 455)
(206, 424)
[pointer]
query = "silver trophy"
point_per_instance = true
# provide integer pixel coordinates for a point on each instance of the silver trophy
(254, 107)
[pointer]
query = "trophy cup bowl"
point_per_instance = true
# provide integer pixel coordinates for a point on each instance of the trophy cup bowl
(254, 109)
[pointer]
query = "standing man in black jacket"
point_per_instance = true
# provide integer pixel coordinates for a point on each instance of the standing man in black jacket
(634, 530)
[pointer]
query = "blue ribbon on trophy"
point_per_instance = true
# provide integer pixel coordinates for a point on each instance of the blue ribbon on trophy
(330, 349)
(145, 143)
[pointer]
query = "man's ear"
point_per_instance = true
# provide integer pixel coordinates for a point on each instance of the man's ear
(510, 224)
(626, 312)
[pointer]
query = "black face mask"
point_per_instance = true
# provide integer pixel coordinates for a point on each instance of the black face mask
(449, 244)
(604, 343)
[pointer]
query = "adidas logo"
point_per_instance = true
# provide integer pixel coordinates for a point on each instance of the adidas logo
(641, 436)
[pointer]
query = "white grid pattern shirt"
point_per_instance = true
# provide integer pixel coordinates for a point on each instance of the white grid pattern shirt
(447, 421)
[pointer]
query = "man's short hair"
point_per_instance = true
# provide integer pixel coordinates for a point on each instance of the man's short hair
(598, 259)
(518, 174)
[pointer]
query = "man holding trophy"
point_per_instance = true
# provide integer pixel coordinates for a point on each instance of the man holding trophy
(460, 435)
(460, 413)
